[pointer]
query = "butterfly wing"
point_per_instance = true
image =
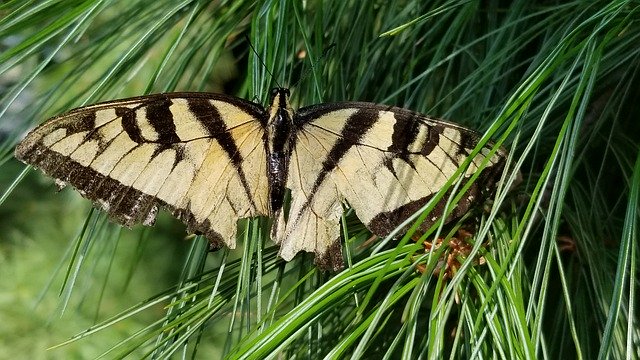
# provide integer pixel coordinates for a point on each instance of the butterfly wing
(201, 156)
(385, 162)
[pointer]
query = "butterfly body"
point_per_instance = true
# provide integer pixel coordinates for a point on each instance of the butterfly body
(212, 159)
(280, 130)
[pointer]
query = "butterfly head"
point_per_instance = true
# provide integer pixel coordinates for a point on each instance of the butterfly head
(280, 109)
(280, 98)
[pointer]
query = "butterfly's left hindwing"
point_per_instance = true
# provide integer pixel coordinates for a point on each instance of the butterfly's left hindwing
(201, 156)
(385, 162)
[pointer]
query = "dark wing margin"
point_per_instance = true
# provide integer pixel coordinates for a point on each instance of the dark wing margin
(385, 162)
(195, 154)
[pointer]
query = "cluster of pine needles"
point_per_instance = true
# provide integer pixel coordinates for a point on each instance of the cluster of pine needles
(549, 269)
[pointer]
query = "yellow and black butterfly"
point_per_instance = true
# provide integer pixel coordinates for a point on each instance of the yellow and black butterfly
(212, 159)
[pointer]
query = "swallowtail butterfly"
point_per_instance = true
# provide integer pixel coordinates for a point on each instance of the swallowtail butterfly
(212, 159)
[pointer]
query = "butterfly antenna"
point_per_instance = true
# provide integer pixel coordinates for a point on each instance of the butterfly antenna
(262, 61)
(324, 54)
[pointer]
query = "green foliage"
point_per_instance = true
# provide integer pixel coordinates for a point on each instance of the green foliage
(555, 82)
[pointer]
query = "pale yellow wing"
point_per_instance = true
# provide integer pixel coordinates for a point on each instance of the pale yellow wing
(201, 156)
(385, 162)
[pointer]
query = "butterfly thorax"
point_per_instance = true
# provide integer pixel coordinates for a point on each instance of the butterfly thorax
(280, 130)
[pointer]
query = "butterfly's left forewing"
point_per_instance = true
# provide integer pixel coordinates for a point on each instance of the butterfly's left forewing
(201, 156)
(385, 162)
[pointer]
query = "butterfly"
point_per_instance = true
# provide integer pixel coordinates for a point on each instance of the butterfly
(211, 159)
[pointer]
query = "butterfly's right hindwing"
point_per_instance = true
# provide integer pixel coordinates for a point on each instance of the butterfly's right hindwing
(201, 156)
